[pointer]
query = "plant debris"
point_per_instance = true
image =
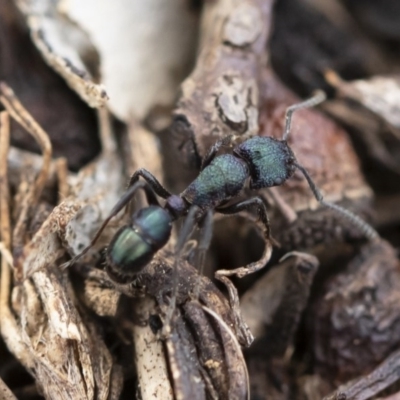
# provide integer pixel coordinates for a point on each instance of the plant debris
(91, 93)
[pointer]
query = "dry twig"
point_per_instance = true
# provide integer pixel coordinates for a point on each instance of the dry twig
(225, 82)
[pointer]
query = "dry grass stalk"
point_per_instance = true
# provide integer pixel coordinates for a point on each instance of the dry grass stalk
(22, 116)
(5, 392)
(8, 324)
(49, 335)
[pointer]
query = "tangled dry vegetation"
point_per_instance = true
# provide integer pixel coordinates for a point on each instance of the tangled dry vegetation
(91, 91)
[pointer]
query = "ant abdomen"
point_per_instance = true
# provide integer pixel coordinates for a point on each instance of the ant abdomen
(134, 246)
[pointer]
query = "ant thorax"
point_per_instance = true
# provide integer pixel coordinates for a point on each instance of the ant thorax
(219, 181)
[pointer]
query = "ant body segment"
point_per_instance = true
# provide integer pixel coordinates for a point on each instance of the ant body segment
(265, 161)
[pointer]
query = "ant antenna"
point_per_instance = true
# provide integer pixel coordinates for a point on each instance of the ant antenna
(368, 230)
(318, 98)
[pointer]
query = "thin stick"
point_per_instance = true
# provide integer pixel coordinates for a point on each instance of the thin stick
(287, 211)
(5, 227)
(366, 387)
(62, 178)
(22, 116)
(108, 143)
(318, 98)
(6, 253)
(9, 327)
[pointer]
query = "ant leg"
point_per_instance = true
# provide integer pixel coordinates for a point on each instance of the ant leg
(122, 202)
(369, 232)
(318, 98)
(241, 328)
(257, 202)
(186, 231)
(262, 212)
(151, 180)
(206, 230)
(212, 152)
(222, 275)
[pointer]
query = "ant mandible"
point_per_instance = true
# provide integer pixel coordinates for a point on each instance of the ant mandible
(266, 161)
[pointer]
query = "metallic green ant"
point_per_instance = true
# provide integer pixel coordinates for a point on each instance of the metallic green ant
(265, 161)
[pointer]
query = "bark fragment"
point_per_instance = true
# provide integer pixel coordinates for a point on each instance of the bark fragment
(366, 387)
(198, 351)
(357, 319)
(53, 34)
(224, 83)
(280, 295)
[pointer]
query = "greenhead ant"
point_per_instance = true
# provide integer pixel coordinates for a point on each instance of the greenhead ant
(264, 161)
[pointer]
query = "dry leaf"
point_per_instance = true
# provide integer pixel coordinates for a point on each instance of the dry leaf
(145, 49)
(64, 46)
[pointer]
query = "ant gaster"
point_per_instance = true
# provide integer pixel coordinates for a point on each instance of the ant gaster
(265, 161)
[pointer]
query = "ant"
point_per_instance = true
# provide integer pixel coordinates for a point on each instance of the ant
(265, 161)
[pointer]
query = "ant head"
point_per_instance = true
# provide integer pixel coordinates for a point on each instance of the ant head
(133, 247)
(271, 161)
